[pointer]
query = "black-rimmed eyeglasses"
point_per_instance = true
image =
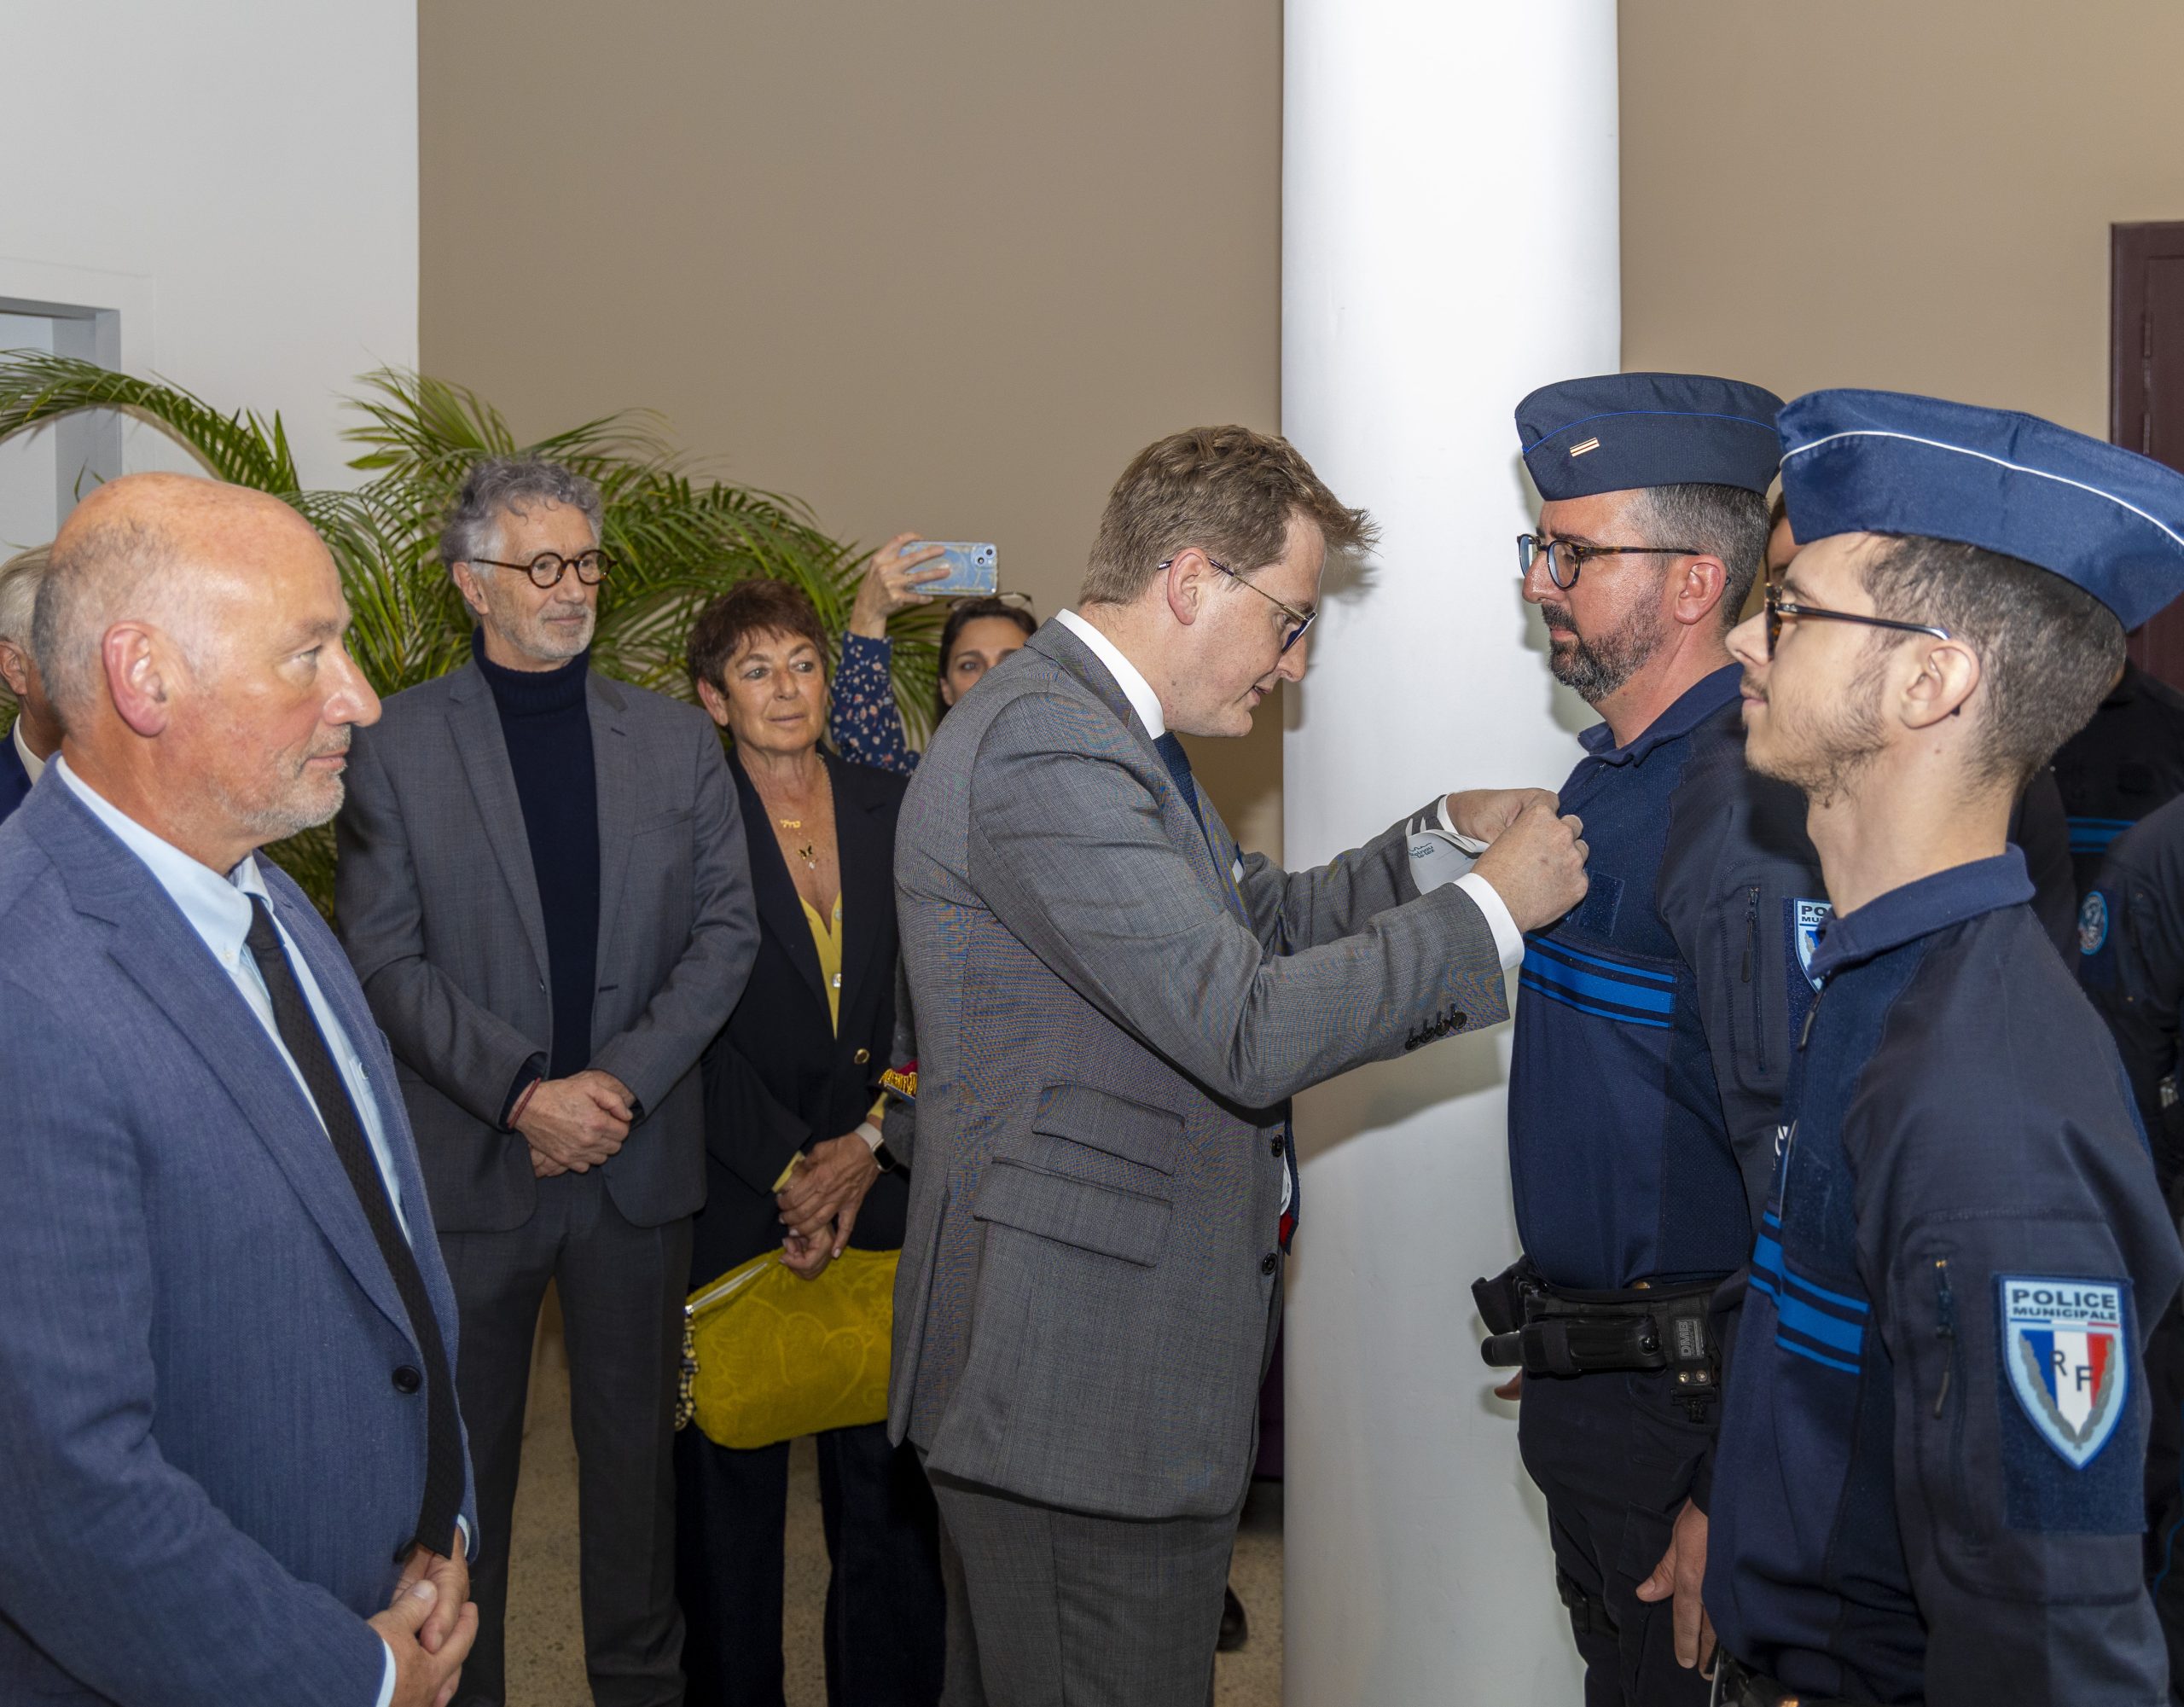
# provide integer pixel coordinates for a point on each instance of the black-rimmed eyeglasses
(1299, 621)
(1778, 607)
(1566, 557)
(547, 568)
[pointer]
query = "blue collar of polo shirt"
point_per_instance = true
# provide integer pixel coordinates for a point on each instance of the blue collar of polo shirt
(1918, 910)
(1699, 701)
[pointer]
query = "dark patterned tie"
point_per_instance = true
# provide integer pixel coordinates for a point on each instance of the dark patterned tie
(292, 1015)
(1179, 767)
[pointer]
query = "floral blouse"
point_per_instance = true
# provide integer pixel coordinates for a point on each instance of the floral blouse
(866, 724)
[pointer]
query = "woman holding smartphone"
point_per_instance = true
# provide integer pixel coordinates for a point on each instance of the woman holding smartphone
(866, 727)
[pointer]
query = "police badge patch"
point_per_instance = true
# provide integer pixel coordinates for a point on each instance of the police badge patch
(2093, 923)
(2063, 1343)
(1806, 917)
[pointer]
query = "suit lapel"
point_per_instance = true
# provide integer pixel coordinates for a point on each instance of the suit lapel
(614, 761)
(1055, 642)
(780, 909)
(154, 944)
(475, 721)
(868, 876)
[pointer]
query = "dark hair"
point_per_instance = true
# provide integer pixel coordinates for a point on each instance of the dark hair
(2047, 648)
(1227, 489)
(964, 613)
(757, 606)
(1727, 522)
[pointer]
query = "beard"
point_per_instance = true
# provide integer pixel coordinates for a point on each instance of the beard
(1826, 750)
(1594, 669)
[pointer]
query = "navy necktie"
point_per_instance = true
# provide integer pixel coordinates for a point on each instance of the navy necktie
(292, 1017)
(1179, 767)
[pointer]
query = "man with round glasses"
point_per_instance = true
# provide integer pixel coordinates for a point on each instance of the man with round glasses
(1930, 1482)
(544, 892)
(1654, 1020)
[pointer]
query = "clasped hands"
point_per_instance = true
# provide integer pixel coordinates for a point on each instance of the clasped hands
(1534, 855)
(428, 1626)
(574, 1124)
(820, 1203)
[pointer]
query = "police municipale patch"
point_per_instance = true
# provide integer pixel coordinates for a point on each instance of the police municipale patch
(2062, 1342)
(1807, 917)
(2093, 923)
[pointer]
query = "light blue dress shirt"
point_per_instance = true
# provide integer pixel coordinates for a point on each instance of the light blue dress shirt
(218, 909)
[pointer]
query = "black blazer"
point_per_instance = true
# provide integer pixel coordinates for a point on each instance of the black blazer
(775, 1081)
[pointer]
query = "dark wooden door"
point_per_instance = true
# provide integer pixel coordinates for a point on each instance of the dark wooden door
(2146, 391)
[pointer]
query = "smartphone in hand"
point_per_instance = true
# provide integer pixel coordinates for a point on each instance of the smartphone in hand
(973, 569)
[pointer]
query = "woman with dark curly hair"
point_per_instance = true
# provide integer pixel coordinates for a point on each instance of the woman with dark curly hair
(791, 1087)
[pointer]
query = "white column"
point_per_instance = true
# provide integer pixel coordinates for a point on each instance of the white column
(1450, 212)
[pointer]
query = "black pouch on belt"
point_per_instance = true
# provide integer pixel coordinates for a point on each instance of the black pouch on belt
(1565, 1332)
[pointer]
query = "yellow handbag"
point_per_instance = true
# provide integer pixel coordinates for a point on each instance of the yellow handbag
(768, 1356)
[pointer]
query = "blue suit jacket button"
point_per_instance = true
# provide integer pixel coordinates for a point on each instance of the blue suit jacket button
(407, 1379)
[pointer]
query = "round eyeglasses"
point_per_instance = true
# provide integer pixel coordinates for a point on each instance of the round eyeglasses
(547, 568)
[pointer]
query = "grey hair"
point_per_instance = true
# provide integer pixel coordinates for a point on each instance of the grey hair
(93, 577)
(20, 578)
(499, 484)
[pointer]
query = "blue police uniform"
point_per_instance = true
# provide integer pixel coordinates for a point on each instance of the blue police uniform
(1929, 1483)
(2131, 957)
(1652, 1033)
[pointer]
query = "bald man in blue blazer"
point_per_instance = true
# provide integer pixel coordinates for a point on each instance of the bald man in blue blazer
(231, 1468)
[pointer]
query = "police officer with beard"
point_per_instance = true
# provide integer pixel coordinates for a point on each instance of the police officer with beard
(1654, 1021)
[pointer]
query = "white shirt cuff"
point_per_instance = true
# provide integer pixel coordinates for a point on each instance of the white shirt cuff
(1508, 940)
(386, 1685)
(1470, 845)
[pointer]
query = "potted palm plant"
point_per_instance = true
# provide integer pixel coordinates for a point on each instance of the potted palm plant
(678, 538)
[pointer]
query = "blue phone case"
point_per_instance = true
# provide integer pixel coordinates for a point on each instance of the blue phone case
(973, 569)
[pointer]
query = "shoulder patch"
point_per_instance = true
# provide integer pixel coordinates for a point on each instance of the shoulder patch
(1806, 917)
(2063, 1344)
(2093, 923)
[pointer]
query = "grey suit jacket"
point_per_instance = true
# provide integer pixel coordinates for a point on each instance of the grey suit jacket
(1111, 1019)
(208, 1456)
(439, 909)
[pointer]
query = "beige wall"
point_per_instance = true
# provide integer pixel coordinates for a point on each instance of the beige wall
(943, 267)
(1909, 196)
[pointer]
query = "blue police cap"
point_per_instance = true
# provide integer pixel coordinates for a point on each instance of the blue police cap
(2104, 518)
(1617, 431)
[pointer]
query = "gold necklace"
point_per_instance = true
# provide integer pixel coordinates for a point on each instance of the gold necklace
(791, 823)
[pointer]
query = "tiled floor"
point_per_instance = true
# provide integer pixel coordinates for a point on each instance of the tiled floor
(545, 1639)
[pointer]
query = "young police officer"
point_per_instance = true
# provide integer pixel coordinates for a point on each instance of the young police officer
(1929, 1483)
(1655, 1020)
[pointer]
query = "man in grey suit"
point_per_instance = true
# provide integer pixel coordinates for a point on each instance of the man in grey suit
(1114, 1008)
(543, 888)
(231, 1469)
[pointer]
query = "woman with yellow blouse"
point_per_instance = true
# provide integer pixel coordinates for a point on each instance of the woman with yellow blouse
(790, 1083)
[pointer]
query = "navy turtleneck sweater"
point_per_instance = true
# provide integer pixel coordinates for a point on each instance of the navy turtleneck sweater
(548, 730)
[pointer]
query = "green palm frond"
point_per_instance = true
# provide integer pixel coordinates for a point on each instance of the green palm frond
(678, 540)
(244, 448)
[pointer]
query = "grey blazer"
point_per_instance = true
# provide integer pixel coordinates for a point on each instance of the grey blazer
(1111, 1019)
(439, 909)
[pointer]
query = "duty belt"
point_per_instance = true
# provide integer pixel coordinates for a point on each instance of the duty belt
(1736, 1685)
(1548, 1330)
